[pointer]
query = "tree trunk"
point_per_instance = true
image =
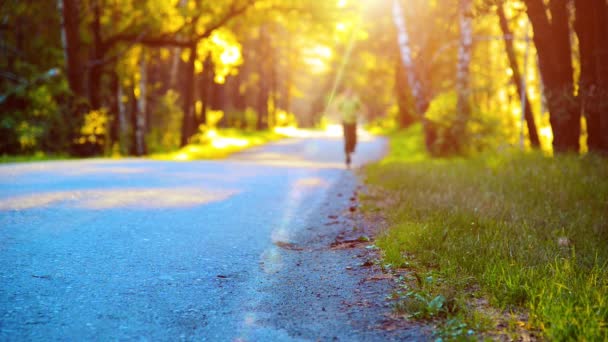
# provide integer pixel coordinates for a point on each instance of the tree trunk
(96, 61)
(114, 109)
(552, 40)
(262, 105)
(592, 31)
(188, 121)
(205, 81)
(238, 97)
(517, 78)
(406, 117)
(273, 88)
(123, 128)
(463, 87)
(421, 102)
(133, 111)
(140, 122)
(174, 68)
(286, 95)
(263, 91)
(403, 40)
(72, 45)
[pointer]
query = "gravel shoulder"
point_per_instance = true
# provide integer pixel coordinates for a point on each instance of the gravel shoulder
(328, 287)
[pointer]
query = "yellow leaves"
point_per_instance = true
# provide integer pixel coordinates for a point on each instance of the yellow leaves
(185, 55)
(214, 117)
(198, 66)
(165, 54)
(94, 127)
(129, 65)
(231, 55)
(225, 52)
(191, 5)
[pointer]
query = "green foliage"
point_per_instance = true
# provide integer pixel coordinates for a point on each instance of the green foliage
(32, 121)
(483, 130)
(31, 97)
(455, 329)
(422, 305)
(165, 124)
(531, 231)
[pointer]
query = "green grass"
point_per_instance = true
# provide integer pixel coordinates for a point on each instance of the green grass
(525, 231)
(38, 156)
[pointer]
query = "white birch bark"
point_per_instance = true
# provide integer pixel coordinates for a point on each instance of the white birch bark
(403, 40)
(464, 61)
(140, 122)
(122, 119)
(64, 41)
(177, 55)
(177, 52)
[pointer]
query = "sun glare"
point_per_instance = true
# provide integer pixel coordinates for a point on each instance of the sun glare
(317, 58)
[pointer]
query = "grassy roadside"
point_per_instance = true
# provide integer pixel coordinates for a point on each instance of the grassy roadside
(496, 244)
(4, 159)
(217, 144)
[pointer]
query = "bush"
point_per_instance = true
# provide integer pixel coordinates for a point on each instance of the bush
(33, 120)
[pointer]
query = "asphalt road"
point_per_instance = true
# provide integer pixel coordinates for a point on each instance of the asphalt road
(232, 250)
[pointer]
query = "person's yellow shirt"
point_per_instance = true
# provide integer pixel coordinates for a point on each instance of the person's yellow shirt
(349, 107)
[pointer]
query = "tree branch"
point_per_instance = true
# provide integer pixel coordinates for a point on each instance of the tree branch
(173, 39)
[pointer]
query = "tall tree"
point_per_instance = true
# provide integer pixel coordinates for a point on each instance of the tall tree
(72, 44)
(463, 87)
(142, 106)
(403, 38)
(264, 79)
(592, 30)
(552, 40)
(405, 117)
(188, 122)
(508, 38)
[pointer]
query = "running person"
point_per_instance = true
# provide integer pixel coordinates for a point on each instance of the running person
(349, 108)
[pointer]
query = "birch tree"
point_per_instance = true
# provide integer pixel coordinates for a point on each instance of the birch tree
(140, 119)
(508, 38)
(403, 40)
(463, 88)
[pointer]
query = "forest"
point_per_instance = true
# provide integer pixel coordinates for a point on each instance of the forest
(126, 77)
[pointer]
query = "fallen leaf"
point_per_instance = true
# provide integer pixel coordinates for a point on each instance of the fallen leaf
(377, 277)
(288, 245)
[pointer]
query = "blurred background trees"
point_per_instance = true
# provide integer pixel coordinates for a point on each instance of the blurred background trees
(102, 77)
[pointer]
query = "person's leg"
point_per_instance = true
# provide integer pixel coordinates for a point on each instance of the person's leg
(347, 142)
(351, 137)
(354, 146)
